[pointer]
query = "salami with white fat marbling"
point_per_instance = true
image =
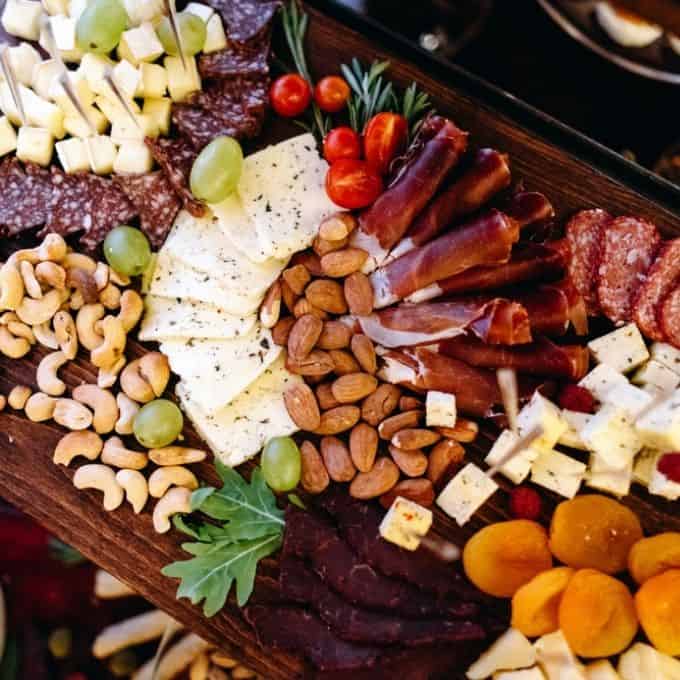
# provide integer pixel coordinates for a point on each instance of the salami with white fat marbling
(238, 59)
(110, 209)
(245, 19)
(24, 196)
(669, 317)
(71, 205)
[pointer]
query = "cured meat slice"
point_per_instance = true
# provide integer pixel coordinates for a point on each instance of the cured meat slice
(238, 59)
(229, 99)
(71, 205)
(24, 196)
(669, 317)
(629, 247)
(154, 200)
(202, 126)
(529, 207)
(245, 19)
(662, 277)
(110, 208)
(553, 307)
(383, 224)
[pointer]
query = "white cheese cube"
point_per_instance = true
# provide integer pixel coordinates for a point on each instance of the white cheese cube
(72, 154)
(630, 399)
(8, 137)
(23, 59)
(215, 38)
(153, 81)
(517, 468)
(643, 662)
(35, 145)
(101, 153)
(80, 88)
(41, 113)
(440, 409)
(602, 380)
(556, 658)
(113, 110)
(534, 673)
(93, 67)
(126, 77)
(8, 106)
(406, 523)
(140, 44)
(542, 412)
(466, 493)
(656, 377)
(77, 127)
(182, 82)
(200, 10)
(510, 651)
(76, 8)
(43, 76)
(559, 473)
(623, 349)
(660, 485)
(644, 465)
(576, 421)
(612, 435)
(53, 7)
(614, 480)
(134, 158)
(160, 110)
(660, 428)
(667, 355)
(124, 129)
(64, 30)
(141, 11)
(22, 18)
(601, 670)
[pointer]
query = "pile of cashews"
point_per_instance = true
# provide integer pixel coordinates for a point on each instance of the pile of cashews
(63, 301)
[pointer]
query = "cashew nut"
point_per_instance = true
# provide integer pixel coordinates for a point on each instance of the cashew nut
(102, 478)
(108, 375)
(33, 312)
(174, 502)
(87, 444)
(51, 274)
(21, 330)
(30, 282)
(216, 673)
(40, 407)
(136, 488)
(118, 278)
(7, 318)
(101, 275)
(83, 281)
(155, 369)
(116, 454)
(110, 297)
(18, 397)
(174, 475)
(135, 385)
(76, 302)
(176, 455)
(66, 334)
(86, 319)
(52, 249)
(131, 309)
(102, 403)
(11, 286)
(12, 347)
(45, 335)
(46, 375)
(174, 661)
(111, 350)
(72, 415)
(108, 587)
(199, 668)
(134, 631)
(128, 410)
(80, 261)
(223, 660)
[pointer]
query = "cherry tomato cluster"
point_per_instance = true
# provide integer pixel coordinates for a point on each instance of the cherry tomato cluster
(291, 94)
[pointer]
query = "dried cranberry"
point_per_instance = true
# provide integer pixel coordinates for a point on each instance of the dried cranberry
(576, 398)
(669, 465)
(525, 503)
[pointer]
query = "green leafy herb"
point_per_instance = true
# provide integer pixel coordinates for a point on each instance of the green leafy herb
(414, 106)
(371, 93)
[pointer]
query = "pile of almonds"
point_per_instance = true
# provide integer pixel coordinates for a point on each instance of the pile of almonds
(366, 432)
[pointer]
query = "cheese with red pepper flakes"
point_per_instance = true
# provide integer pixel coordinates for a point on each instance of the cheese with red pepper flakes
(406, 523)
(623, 349)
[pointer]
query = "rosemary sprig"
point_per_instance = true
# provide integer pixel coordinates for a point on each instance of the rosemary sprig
(371, 93)
(414, 106)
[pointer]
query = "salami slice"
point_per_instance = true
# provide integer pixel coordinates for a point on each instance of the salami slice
(154, 200)
(111, 208)
(629, 247)
(663, 276)
(669, 317)
(24, 196)
(239, 59)
(71, 205)
(231, 98)
(584, 235)
(245, 19)
(201, 126)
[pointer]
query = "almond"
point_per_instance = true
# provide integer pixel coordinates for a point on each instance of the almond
(310, 260)
(270, 311)
(282, 329)
(380, 404)
(323, 246)
(364, 351)
(327, 295)
(363, 446)
(304, 306)
(388, 428)
(358, 293)
(344, 262)
(411, 463)
(302, 406)
(314, 477)
(303, 336)
(464, 431)
(414, 438)
(409, 403)
(337, 460)
(353, 387)
(297, 278)
(382, 477)
(314, 364)
(443, 459)
(324, 395)
(337, 227)
(343, 362)
(288, 296)
(338, 419)
(335, 335)
(419, 491)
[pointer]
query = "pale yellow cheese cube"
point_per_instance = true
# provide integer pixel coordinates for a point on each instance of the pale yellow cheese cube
(124, 129)
(556, 658)
(406, 523)
(200, 10)
(518, 467)
(140, 44)
(35, 145)
(623, 349)
(542, 412)
(23, 59)
(611, 434)
(141, 11)
(93, 67)
(559, 473)
(643, 468)
(43, 76)
(153, 81)
(73, 156)
(667, 355)
(656, 377)
(134, 158)
(8, 136)
(113, 110)
(440, 409)
(466, 493)
(101, 153)
(64, 30)
(613, 480)
(22, 18)
(79, 87)
(77, 127)
(8, 106)
(660, 428)
(601, 670)
(510, 651)
(215, 39)
(602, 380)
(41, 113)
(127, 78)
(53, 7)
(576, 421)
(160, 110)
(182, 82)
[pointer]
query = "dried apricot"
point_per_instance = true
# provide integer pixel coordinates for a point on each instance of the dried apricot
(658, 604)
(654, 555)
(535, 604)
(502, 557)
(597, 614)
(594, 532)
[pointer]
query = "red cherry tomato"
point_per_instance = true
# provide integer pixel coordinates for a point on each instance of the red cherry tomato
(385, 138)
(290, 95)
(341, 142)
(331, 94)
(353, 184)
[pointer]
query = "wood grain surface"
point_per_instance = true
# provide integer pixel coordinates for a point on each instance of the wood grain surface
(125, 544)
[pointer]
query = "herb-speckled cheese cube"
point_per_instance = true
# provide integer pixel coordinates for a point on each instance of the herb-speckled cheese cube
(35, 145)
(623, 349)
(559, 473)
(22, 18)
(72, 155)
(215, 39)
(153, 81)
(133, 158)
(612, 435)
(23, 59)
(576, 421)
(140, 44)
(667, 355)
(101, 153)
(440, 409)
(518, 467)
(602, 380)
(630, 399)
(542, 412)
(660, 428)
(160, 110)
(182, 81)
(8, 137)
(405, 523)
(466, 493)
(656, 377)
(604, 477)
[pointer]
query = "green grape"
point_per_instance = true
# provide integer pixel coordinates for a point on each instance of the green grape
(100, 26)
(158, 424)
(127, 250)
(217, 170)
(191, 30)
(281, 464)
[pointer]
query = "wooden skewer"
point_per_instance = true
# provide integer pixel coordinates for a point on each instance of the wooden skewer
(442, 549)
(172, 15)
(110, 81)
(507, 383)
(12, 83)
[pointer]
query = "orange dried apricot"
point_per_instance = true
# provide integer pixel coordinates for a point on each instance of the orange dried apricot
(658, 604)
(535, 605)
(502, 557)
(594, 532)
(654, 555)
(597, 614)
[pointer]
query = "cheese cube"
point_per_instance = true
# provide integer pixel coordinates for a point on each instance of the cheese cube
(141, 11)
(660, 428)
(623, 349)
(134, 158)
(559, 473)
(601, 670)
(35, 145)
(23, 59)
(667, 355)
(660, 485)
(44, 74)
(126, 77)
(80, 88)
(614, 480)
(200, 10)
(406, 523)
(630, 399)
(101, 154)
(644, 465)
(93, 67)
(510, 651)
(440, 409)
(517, 468)
(576, 421)
(124, 129)
(215, 38)
(76, 8)
(113, 110)
(140, 44)
(656, 377)
(41, 113)
(72, 154)
(160, 110)
(542, 412)
(22, 18)
(182, 82)
(8, 136)
(466, 493)
(612, 435)
(556, 658)
(643, 662)
(602, 380)
(153, 81)
(77, 127)
(8, 106)
(53, 7)
(64, 31)
(534, 673)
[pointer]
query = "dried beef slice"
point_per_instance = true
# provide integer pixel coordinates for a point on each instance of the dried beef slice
(245, 19)
(238, 59)
(24, 196)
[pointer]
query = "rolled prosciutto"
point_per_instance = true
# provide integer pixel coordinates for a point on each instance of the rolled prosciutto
(383, 224)
(529, 207)
(486, 240)
(553, 307)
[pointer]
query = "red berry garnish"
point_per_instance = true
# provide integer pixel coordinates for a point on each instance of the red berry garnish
(669, 465)
(576, 398)
(525, 503)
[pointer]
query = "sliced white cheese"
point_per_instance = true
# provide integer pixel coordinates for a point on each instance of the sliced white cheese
(576, 421)
(518, 467)
(630, 399)
(556, 658)
(8, 136)
(237, 432)
(238, 227)
(614, 480)
(656, 377)
(667, 355)
(405, 523)
(601, 670)
(623, 349)
(510, 651)
(166, 318)
(542, 412)
(216, 371)
(559, 473)
(611, 434)
(602, 380)
(660, 427)
(440, 409)
(466, 493)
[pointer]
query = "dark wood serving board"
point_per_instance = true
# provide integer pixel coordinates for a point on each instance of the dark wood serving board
(574, 172)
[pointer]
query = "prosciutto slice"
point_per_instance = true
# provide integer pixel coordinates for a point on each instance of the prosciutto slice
(530, 207)
(553, 307)
(383, 224)
(486, 240)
